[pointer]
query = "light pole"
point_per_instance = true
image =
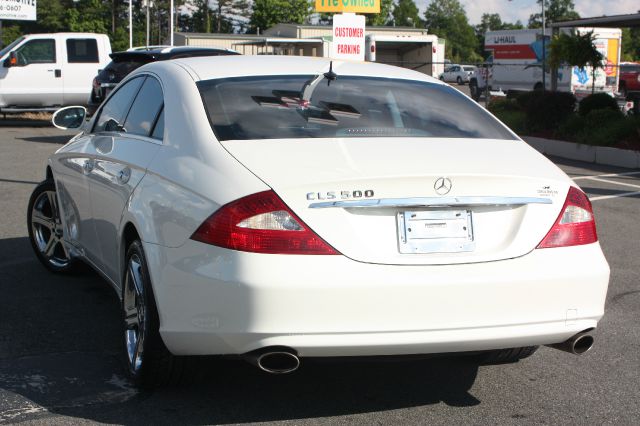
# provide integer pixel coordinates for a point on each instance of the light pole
(148, 4)
(130, 24)
(171, 23)
(544, 52)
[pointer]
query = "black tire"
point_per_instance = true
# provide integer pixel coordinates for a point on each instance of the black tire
(537, 87)
(623, 90)
(459, 81)
(505, 356)
(149, 363)
(474, 90)
(45, 229)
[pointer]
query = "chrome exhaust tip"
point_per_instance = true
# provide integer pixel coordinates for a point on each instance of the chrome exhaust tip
(579, 344)
(274, 361)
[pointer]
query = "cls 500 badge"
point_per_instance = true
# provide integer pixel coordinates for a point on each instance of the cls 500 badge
(342, 195)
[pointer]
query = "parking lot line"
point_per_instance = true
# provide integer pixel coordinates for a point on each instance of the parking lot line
(607, 175)
(605, 197)
(614, 182)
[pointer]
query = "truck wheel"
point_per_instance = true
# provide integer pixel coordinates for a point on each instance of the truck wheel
(538, 87)
(459, 81)
(623, 90)
(474, 89)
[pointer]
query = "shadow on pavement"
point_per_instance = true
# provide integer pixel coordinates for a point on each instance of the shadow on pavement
(60, 341)
(58, 139)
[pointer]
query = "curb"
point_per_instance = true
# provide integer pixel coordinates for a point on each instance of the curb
(591, 154)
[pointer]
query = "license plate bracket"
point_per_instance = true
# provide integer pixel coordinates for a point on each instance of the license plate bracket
(435, 231)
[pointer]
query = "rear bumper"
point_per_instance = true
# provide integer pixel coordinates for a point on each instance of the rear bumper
(217, 301)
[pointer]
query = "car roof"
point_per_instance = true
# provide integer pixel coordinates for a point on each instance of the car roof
(159, 53)
(207, 68)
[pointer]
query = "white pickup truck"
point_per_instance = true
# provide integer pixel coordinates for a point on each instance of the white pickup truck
(41, 72)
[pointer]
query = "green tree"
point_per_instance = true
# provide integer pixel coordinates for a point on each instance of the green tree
(406, 14)
(229, 14)
(447, 19)
(576, 50)
(51, 17)
(267, 13)
(382, 18)
(89, 16)
(631, 44)
(555, 11)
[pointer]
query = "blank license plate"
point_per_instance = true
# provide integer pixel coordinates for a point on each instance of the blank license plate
(436, 231)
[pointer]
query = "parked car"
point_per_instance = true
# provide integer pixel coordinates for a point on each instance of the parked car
(458, 73)
(43, 72)
(125, 62)
(276, 208)
(629, 78)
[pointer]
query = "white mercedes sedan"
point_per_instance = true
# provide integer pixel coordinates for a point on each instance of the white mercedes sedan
(277, 208)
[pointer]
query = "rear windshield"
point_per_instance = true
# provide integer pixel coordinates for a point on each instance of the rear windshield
(283, 107)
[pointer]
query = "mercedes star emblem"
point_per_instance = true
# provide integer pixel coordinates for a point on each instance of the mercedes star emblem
(442, 186)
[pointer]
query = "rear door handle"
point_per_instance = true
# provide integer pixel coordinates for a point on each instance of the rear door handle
(87, 167)
(124, 175)
(58, 73)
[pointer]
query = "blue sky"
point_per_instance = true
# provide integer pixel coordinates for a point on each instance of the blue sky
(513, 10)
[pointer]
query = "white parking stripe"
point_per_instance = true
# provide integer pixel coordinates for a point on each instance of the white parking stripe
(606, 197)
(615, 183)
(607, 175)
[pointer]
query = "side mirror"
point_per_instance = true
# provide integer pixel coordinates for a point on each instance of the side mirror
(69, 118)
(11, 61)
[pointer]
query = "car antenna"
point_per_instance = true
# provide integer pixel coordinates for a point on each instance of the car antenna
(330, 75)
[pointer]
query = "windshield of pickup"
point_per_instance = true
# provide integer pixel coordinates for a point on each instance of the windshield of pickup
(283, 107)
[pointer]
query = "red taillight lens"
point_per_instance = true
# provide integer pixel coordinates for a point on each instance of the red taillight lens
(260, 223)
(575, 225)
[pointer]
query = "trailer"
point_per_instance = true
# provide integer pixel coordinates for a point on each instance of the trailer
(516, 62)
(423, 53)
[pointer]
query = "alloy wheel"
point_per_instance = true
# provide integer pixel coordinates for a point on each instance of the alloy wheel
(134, 313)
(47, 230)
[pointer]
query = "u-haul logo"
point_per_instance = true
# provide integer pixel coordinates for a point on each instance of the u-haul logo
(504, 40)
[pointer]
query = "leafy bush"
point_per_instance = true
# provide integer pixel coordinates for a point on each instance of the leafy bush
(508, 111)
(546, 110)
(606, 127)
(572, 128)
(602, 127)
(597, 101)
(503, 104)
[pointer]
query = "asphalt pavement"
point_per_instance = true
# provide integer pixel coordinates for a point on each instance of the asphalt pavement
(60, 344)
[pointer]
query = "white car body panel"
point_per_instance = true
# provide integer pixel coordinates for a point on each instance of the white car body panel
(215, 300)
(321, 166)
(370, 300)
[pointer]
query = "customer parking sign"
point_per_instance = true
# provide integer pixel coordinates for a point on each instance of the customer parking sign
(348, 37)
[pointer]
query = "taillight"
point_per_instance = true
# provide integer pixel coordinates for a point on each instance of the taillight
(575, 225)
(260, 223)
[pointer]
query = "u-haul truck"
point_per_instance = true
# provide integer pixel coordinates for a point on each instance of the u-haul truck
(516, 57)
(423, 53)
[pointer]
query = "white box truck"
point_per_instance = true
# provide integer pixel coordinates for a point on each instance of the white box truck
(423, 53)
(516, 58)
(42, 72)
